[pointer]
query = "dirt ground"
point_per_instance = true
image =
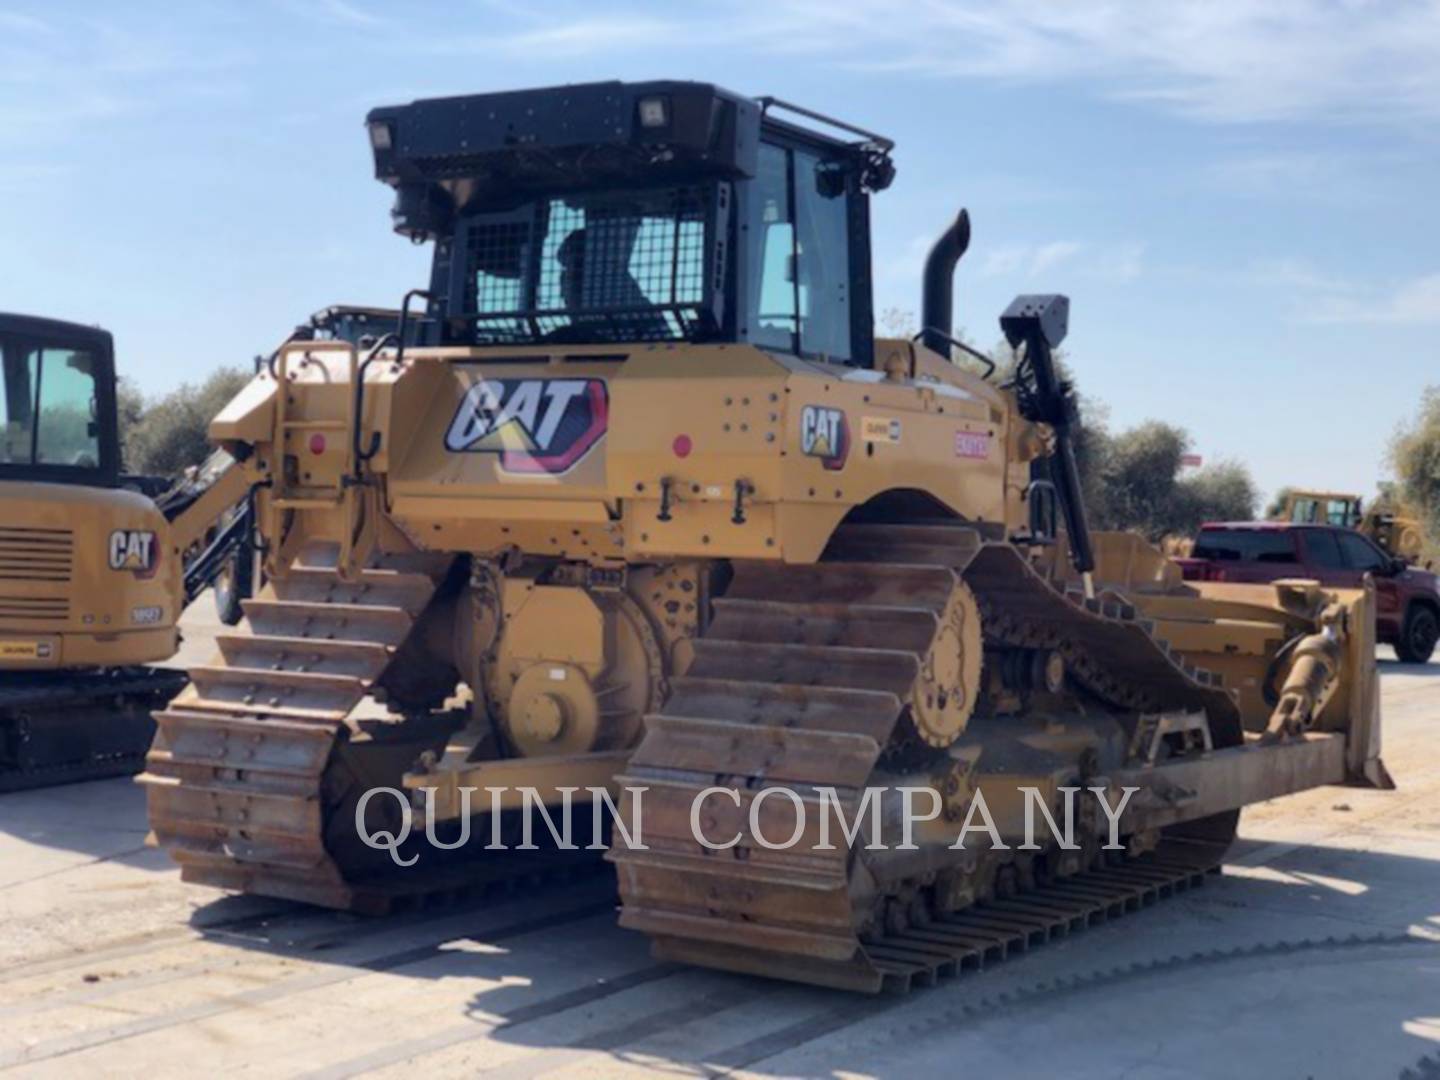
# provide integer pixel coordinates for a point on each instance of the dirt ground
(1316, 954)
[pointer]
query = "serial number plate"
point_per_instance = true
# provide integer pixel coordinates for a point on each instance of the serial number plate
(146, 616)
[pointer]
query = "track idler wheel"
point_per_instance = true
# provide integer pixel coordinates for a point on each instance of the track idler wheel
(949, 683)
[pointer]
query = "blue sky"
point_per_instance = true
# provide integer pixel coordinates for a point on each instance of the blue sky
(1240, 198)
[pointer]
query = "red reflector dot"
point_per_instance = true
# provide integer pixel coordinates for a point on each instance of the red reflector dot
(317, 443)
(682, 446)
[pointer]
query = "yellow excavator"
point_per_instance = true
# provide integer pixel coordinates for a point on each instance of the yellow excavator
(94, 572)
(642, 506)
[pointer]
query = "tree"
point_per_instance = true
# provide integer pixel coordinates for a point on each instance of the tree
(130, 405)
(1415, 455)
(897, 322)
(1220, 492)
(1138, 478)
(1141, 487)
(167, 436)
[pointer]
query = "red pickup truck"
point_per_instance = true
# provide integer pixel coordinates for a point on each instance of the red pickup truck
(1407, 599)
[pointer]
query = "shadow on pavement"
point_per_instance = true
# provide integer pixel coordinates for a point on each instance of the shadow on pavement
(558, 978)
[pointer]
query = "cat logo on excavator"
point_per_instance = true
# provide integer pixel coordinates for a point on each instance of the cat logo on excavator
(535, 425)
(132, 549)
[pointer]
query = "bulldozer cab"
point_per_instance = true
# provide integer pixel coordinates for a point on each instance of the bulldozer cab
(57, 403)
(655, 213)
(1323, 508)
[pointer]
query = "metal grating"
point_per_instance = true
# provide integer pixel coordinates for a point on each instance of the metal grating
(41, 555)
(617, 267)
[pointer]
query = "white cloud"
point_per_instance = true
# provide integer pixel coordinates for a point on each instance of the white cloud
(1049, 256)
(1223, 60)
(571, 38)
(1027, 260)
(1111, 262)
(1321, 297)
(342, 12)
(1409, 303)
(1299, 275)
(110, 70)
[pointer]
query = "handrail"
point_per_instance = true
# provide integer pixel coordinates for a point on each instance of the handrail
(976, 353)
(365, 453)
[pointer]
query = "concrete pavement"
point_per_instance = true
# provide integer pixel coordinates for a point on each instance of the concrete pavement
(109, 964)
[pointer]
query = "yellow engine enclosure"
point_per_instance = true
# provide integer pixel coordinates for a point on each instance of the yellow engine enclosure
(62, 605)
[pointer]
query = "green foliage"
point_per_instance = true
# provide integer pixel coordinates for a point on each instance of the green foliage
(1138, 479)
(1415, 454)
(1220, 492)
(130, 406)
(166, 436)
(1140, 485)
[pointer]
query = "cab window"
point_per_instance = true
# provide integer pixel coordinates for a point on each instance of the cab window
(772, 302)
(17, 407)
(799, 256)
(1245, 545)
(1323, 549)
(1360, 554)
(49, 406)
(68, 433)
(1342, 512)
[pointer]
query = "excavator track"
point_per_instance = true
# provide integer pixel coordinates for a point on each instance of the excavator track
(84, 726)
(257, 767)
(801, 680)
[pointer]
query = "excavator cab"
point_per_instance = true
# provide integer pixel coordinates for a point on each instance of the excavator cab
(57, 405)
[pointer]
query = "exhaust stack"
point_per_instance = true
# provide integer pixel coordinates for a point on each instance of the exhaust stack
(937, 308)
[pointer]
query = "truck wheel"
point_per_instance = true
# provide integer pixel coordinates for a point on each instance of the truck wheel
(1418, 636)
(236, 582)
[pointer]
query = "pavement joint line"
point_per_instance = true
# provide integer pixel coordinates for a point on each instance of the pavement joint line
(95, 861)
(331, 972)
(564, 1001)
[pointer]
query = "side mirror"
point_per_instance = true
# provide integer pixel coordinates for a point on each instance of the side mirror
(1397, 567)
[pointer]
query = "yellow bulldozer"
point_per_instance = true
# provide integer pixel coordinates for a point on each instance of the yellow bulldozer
(1397, 530)
(641, 508)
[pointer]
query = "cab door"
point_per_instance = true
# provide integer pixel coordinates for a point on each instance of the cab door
(1325, 560)
(1363, 557)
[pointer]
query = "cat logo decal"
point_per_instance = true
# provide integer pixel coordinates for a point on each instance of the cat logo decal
(824, 434)
(535, 425)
